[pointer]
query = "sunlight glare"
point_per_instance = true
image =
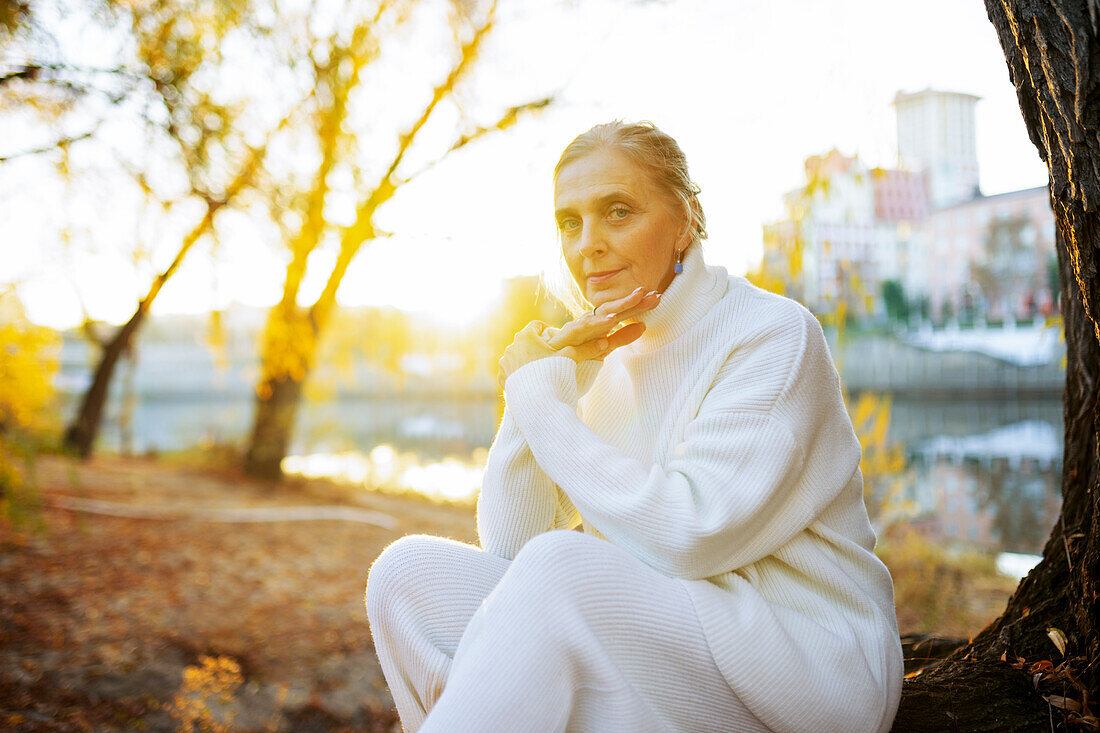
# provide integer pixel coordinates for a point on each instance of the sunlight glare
(386, 470)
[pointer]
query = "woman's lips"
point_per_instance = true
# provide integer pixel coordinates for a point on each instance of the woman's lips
(593, 279)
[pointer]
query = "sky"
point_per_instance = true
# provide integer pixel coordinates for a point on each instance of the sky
(749, 88)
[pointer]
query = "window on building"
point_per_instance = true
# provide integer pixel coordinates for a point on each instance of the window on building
(1027, 235)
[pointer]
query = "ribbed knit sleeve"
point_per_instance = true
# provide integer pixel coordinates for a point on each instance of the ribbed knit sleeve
(518, 500)
(729, 493)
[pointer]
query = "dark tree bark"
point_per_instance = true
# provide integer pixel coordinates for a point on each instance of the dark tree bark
(1012, 676)
(81, 434)
(276, 412)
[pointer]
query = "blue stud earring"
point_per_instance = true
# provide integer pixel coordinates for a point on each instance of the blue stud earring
(679, 266)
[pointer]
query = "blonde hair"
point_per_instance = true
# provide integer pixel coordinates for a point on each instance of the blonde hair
(655, 152)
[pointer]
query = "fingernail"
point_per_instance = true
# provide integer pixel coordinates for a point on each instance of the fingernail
(611, 316)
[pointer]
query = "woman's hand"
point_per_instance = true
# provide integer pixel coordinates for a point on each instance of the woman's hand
(587, 337)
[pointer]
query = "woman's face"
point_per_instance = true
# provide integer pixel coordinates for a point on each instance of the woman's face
(618, 230)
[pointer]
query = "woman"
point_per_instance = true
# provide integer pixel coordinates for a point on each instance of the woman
(724, 579)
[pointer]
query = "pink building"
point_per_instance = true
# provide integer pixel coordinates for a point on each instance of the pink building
(900, 195)
(991, 257)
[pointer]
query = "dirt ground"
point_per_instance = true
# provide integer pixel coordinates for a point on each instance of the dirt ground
(115, 623)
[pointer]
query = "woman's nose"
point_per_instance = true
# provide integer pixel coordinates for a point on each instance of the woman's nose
(591, 241)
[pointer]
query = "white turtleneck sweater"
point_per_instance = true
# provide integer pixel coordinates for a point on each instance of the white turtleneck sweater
(716, 449)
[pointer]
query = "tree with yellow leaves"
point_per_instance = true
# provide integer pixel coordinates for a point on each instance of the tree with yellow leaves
(290, 341)
(190, 144)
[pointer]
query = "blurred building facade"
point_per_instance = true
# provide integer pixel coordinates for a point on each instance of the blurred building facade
(990, 258)
(918, 241)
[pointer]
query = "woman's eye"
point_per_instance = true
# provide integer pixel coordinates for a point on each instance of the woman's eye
(620, 212)
(567, 225)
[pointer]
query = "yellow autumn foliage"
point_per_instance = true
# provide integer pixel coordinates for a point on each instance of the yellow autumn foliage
(938, 590)
(28, 362)
(882, 463)
(205, 697)
(287, 348)
(762, 278)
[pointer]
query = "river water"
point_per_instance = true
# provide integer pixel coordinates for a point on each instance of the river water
(979, 472)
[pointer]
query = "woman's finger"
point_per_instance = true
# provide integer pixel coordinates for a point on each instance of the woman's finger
(550, 336)
(533, 327)
(595, 349)
(647, 303)
(579, 331)
(632, 299)
(600, 347)
(631, 305)
(592, 326)
(628, 334)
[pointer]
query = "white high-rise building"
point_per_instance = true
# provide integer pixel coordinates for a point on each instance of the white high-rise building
(936, 133)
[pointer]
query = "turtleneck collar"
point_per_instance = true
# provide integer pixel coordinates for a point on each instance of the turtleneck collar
(687, 298)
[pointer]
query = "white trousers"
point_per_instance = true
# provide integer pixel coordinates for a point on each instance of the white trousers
(574, 634)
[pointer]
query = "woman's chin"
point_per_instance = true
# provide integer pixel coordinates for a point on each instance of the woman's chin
(598, 297)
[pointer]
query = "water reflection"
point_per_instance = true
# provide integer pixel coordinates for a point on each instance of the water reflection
(997, 490)
(385, 469)
(982, 473)
(976, 474)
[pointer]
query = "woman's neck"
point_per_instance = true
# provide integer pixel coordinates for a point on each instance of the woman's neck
(686, 299)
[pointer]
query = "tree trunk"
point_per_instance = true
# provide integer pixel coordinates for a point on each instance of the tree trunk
(984, 686)
(81, 433)
(287, 356)
(276, 411)
(1012, 676)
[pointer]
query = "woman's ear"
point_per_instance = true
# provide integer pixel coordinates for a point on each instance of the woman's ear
(685, 235)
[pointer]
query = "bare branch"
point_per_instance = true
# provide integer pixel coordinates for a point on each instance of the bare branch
(34, 72)
(509, 118)
(441, 92)
(63, 142)
(243, 178)
(362, 229)
(89, 328)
